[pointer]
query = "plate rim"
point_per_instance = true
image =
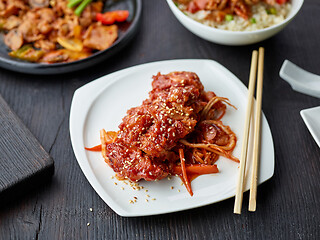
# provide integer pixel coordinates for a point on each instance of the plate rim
(75, 124)
(305, 114)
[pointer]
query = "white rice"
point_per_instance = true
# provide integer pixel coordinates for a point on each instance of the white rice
(259, 13)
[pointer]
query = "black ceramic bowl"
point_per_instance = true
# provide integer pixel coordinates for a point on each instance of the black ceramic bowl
(126, 33)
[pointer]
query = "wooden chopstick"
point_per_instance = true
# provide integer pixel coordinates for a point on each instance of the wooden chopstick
(252, 81)
(257, 126)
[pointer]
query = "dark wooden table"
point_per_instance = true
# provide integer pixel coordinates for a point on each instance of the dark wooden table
(288, 205)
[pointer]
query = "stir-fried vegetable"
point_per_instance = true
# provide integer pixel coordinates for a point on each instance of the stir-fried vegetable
(81, 5)
(2, 23)
(28, 53)
(63, 55)
(77, 31)
(109, 18)
(71, 44)
(73, 3)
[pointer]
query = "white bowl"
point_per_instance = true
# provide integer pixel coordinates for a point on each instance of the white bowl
(234, 38)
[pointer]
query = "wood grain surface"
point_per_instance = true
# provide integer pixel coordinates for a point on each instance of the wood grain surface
(23, 161)
(288, 205)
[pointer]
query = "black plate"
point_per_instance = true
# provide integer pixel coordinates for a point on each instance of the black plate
(126, 33)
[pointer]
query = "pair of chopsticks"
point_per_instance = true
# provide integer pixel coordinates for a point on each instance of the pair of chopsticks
(255, 61)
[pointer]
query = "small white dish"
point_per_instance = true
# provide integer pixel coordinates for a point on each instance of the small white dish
(311, 118)
(300, 80)
(104, 102)
(234, 38)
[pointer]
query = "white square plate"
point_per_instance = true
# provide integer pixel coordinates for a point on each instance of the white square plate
(104, 102)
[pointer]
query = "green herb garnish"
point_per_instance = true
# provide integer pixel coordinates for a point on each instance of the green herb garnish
(253, 20)
(229, 17)
(272, 11)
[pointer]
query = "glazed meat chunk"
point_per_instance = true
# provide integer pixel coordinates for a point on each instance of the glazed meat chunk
(148, 132)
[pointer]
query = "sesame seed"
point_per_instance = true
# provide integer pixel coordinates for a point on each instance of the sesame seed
(172, 187)
(90, 209)
(115, 183)
(88, 224)
(178, 190)
(147, 195)
(135, 197)
(147, 200)
(146, 190)
(130, 201)
(181, 183)
(122, 188)
(153, 199)
(169, 178)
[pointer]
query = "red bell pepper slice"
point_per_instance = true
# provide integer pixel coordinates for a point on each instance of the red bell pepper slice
(109, 18)
(282, 1)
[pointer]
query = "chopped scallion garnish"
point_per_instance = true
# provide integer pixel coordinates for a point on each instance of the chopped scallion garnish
(79, 4)
(81, 7)
(229, 17)
(272, 11)
(73, 3)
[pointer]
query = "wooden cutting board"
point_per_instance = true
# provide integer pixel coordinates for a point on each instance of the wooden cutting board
(24, 163)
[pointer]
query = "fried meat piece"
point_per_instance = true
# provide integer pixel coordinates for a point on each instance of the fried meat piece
(134, 164)
(39, 3)
(148, 132)
(100, 37)
(13, 39)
